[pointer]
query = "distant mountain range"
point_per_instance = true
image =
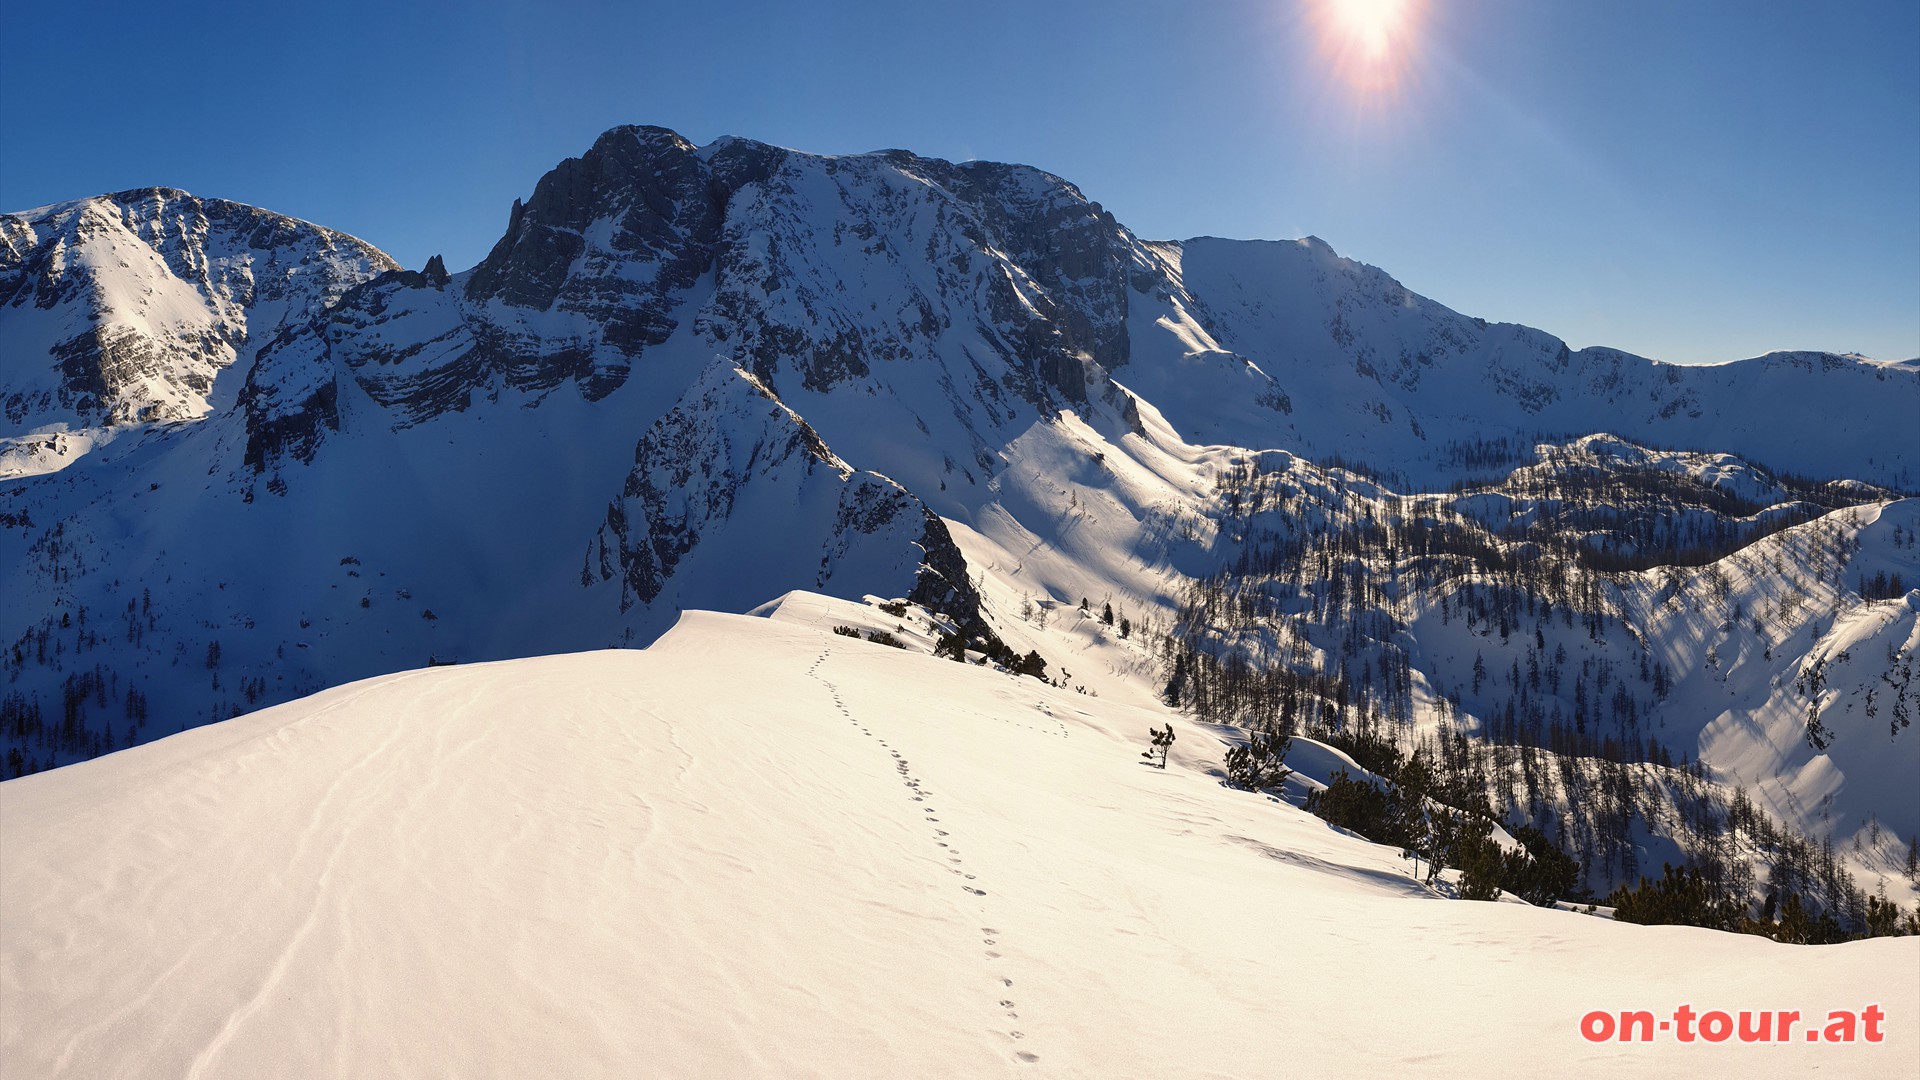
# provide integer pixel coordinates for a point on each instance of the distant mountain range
(247, 457)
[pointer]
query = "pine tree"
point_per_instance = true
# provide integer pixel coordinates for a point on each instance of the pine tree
(1031, 664)
(1162, 742)
(1259, 764)
(1176, 683)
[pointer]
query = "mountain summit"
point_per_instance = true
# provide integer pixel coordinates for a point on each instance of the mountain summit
(127, 309)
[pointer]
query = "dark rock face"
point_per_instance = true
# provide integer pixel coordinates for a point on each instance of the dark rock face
(942, 584)
(639, 199)
(686, 476)
(84, 363)
(645, 183)
(294, 432)
(1073, 248)
(731, 450)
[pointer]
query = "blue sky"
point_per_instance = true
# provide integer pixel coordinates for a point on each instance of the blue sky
(1694, 181)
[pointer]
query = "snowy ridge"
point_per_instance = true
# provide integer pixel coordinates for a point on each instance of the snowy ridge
(1391, 378)
(744, 851)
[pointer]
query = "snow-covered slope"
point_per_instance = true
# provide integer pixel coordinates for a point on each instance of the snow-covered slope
(700, 377)
(1287, 344)
(127, 308)
(1775, 631)
(759, 849)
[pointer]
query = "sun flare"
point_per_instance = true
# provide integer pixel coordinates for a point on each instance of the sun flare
(1371, 24)
(1369, 44)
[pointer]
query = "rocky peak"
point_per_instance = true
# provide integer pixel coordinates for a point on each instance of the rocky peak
(1004, 282)
(144, 296)
(645, 188)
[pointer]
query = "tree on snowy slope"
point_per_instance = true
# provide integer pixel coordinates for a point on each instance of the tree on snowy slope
(1162, 742)
(1031, 664)
(1261, 763)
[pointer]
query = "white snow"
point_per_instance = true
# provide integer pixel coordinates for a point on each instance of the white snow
(760, 849)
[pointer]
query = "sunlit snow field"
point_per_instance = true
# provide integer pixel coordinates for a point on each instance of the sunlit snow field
(760, 849)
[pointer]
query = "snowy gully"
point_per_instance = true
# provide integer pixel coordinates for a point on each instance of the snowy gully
(1718, 1026)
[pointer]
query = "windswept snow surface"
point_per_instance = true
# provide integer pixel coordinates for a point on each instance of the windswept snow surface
(760, 849)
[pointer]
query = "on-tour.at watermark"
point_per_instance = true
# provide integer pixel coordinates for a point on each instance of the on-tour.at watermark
(1735, 1025)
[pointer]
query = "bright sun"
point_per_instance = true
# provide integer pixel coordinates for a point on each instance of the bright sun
(1370, 24)
(1370, 45)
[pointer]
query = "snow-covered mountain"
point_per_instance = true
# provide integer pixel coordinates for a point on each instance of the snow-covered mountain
(760, 849)
(1357, 366)
(700, 377)
(126, 309)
